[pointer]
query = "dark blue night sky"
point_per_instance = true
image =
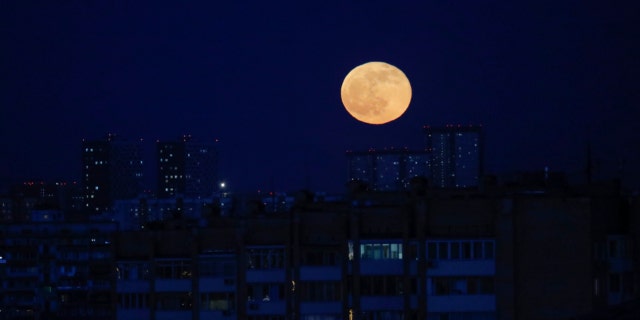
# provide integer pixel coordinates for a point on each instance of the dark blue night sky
(264, 78)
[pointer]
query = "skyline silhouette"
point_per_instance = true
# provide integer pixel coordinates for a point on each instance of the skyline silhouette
(545, 81)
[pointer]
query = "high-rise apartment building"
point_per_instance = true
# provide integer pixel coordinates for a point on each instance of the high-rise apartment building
(111, 170)
(456, 155)
(387, 170)
(187, 168)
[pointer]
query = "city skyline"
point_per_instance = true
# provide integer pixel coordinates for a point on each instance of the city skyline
(544, 80)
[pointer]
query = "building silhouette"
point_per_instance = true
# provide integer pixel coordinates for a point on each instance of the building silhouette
(53, 269)
(111, 170)
(387, 170)
(456, 155)
(517, 251)
(187, 168)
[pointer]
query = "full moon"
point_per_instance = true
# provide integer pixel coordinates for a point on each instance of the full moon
(376, 92)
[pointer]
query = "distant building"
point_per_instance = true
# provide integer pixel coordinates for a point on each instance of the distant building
(187, 168)
(134, 214)
(388, 170)
(111, 170)
(456, 155)
(40, 195)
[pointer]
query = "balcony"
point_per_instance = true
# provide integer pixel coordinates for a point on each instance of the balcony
(133, 286)
(173, 315)
(133, 314)
(461, 303)
(323, 307)
(381, 267)
(265, 275)
(369, 303)
(276, 307)
(173, 285)
(218, 284)
(461, 267)
(321, 273)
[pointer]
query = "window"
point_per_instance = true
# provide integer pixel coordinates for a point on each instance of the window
(381, 285)
(461, 249)
(432, 251)
(381, 251)
(321, 291)
(477, 250)
(455, 250)
(443, 250)
(133, 300)
(321, 257)
(173, 269)
(174, 301)
(265, 292)
(265, 258)
(461, 285)
(223, 266)
(222, 301)
(466, 250)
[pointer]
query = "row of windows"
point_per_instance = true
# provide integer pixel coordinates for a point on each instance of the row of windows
(273, 258)
(381, 251)
(460, 250)
(321, 258)
(265, 258)
(133, 271)
(385, 286)
(265, 292)
(218, 267)
(320, 291)
(174, 269)
(217, 301)
(442, 286)
(133, 300)
(174, 301)
(222, 301)
(436, 250)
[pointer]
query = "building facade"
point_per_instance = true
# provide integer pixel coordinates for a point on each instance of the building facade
(50, 269)
(388, 170)
(111, 170)
(423, 253)
(187, 168)
(456, 155)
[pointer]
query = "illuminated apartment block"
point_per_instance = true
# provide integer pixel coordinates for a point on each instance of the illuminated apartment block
(388, 170)
(456, 159)
(111, 170)
(187, 168)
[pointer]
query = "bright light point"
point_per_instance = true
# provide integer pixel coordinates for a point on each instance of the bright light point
(222, 184)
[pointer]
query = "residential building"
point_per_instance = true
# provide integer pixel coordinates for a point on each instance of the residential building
(111, 170)
(187, 168)
(388, 170)
(51, 269)
(513, 252)
(456, 155)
